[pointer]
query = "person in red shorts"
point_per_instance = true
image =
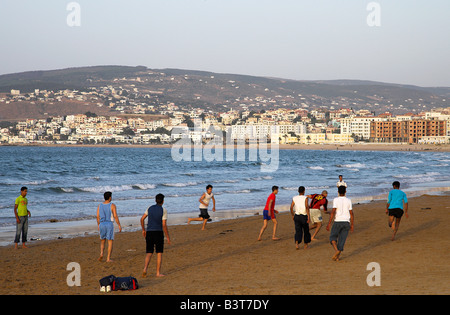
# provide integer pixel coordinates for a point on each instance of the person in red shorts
(317, 201)
(269, 214)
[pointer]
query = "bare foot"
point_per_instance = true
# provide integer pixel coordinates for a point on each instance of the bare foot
(100, 258)
(275, 238)
(144, 274)
(336, 256)
(160, 275)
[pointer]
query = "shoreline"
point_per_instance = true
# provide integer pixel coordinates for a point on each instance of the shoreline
(347, 147)
(72, 229)
(232, 261)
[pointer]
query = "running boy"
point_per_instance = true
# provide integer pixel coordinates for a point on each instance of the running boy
(204, 204)
(269, 214)
(343, 222)
(397, 202)
(317, 202)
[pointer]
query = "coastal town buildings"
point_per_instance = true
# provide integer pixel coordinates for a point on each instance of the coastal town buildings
(143, 123)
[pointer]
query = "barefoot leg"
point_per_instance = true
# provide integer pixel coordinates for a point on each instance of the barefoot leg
(262, 230)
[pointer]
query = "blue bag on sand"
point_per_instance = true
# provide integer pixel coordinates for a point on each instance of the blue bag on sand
(125, 283)
(109, 280)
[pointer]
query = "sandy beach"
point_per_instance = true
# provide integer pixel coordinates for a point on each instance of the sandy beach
(228, 259)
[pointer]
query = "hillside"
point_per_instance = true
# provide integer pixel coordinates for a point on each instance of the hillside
(212, 91)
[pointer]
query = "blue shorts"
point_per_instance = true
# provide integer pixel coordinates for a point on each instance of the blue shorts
(266, 215)
(107, 231)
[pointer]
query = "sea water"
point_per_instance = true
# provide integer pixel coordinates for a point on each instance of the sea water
(66, 184)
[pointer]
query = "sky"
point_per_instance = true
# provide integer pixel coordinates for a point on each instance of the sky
(395, 41)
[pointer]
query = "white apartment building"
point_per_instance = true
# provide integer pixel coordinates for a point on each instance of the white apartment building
(359, 126)
(243, 132)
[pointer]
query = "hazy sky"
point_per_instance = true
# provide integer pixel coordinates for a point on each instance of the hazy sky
(294, 39)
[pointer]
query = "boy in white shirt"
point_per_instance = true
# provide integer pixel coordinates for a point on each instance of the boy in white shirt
(341, 182)
(343, 222)
(204, 203)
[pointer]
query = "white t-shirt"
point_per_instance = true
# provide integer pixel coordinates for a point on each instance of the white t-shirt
(299, 204)
(341, 184)
(206, 200)
(343, 206)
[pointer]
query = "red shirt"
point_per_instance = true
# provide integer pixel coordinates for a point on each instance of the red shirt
(317, 201)
(271, 197)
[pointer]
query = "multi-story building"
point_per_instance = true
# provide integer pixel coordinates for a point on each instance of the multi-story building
(389, 131)
(410, 131)
(425, 128)
(359, 126)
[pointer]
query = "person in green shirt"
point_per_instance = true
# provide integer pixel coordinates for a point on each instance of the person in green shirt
(21, 212)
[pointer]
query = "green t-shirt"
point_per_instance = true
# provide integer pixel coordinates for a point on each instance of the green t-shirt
(22, 203)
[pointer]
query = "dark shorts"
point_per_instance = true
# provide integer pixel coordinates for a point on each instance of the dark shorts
(266, 215)
(204, 214)
(397, 212)
(155, 240)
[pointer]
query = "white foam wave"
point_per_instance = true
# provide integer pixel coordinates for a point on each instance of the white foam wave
(415, 162)
(306, 187)
(419, 178)
(145, 186)
(180, 184)
(318, 168)
(100, 189)
(353, 166)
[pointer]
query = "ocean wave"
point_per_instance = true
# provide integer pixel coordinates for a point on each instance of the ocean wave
(306, 187)
(28, 183)
(418, 178)
(258, 178)
(101, 189)
(242, 191)
(318, 168)
(415, 162)
(352, 166)
(144, 186)
(180, 184)
(417, 175)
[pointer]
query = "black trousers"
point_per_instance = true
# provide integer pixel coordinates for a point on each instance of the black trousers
(302, 228)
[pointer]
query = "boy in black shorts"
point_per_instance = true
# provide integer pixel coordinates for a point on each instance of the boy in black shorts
(397, 205)
(154, 234)
(204, 203)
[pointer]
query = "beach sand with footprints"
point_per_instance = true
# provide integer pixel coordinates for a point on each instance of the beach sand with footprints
(228, 259)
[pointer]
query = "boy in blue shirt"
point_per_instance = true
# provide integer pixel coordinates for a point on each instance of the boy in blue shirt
(397, 205)
(154, 233)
